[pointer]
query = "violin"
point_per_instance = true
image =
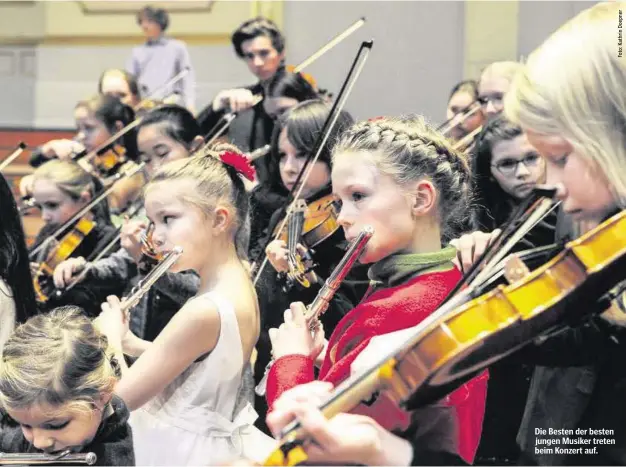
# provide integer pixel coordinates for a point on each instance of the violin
(320, 222)
(309, 225)
(107, 162)
(42, 280)
(458, 341)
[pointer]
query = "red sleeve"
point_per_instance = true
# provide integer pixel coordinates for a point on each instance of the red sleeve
(287, 372)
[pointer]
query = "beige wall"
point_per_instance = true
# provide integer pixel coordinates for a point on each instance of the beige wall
(53, 52)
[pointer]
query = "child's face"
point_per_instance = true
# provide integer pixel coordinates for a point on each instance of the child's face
(583, 188)
(91, 132)
(291, 163)
(157, 149)
(57, 207)
(178, 223)
(54, 429)
(369, 197)
(516, 166)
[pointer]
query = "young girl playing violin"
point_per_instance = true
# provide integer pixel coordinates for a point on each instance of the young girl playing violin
(463, 96)
(166, 134)
(17, 297)
(569, 100)
(57, 379)
(97, 119)
(294, 140)
(404, 180)
(61, 189)
(183, 386)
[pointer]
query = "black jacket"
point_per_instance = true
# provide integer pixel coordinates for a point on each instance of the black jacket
(113, 443)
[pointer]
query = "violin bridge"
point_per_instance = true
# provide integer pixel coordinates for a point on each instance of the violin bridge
(515, 269)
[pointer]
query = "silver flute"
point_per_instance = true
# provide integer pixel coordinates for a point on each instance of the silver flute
(144, 285)
(319, 306)
(65, 457)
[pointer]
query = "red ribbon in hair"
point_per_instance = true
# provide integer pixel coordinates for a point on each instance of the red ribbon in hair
(240, 163)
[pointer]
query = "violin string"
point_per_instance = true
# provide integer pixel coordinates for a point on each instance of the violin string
(500, 265)
(545, 206)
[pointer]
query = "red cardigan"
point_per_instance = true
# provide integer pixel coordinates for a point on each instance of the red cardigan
(384, 311)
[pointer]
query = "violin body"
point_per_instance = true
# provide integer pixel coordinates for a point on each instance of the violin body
(486, 329)
(109, 161)
(320, 222)
(42, 281)
(310, 225)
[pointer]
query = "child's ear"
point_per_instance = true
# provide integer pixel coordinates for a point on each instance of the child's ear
(424, 198)
(222, 219)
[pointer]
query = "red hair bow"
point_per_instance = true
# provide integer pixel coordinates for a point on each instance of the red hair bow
(240, 163)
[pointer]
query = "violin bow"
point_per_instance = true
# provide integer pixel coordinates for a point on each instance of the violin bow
(295, 192)
(213, 134)
(460, 117)
(14, 155)
(530, 212)
(86, 208)
(175, 79)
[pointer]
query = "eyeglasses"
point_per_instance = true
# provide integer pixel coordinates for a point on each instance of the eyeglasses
(509, 166)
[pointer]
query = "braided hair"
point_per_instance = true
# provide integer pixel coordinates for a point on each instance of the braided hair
(409, 149)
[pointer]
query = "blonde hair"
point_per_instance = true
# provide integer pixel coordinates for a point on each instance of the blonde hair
(57, 359)
(215, 182)
(506, 70)
(70, 177)
(573, 86)
(408, 149)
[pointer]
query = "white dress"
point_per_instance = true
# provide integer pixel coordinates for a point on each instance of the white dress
(197, 419)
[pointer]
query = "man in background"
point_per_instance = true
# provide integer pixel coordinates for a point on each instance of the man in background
(261, 45)
(160, 59)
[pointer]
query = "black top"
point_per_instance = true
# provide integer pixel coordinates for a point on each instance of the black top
(113, 443)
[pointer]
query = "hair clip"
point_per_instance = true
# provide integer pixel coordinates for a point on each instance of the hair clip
(375, 119)
(240, 163)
